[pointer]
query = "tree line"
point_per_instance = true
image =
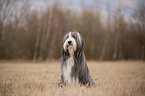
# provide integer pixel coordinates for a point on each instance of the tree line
(34, 35)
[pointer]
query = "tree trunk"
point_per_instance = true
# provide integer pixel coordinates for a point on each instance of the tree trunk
(1, 28)
(104, 47)
(40, 58)
(92, 49)
(50, 55)
(143, 52)
(49, 24)
(36, 45)
(45, 35)
(116, 50)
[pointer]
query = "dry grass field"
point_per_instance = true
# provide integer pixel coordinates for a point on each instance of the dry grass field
(124, 78)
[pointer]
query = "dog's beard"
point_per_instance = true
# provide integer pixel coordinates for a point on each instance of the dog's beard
(71, 50)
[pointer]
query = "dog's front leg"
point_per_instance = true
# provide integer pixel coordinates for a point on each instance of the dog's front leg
(62, 82)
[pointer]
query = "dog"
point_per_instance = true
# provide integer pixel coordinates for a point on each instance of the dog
(74, 68)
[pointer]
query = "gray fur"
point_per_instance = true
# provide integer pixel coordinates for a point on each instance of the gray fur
(80, 69)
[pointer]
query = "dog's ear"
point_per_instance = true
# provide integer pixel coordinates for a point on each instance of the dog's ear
(78, 52)
(64, 54)
(82, 42)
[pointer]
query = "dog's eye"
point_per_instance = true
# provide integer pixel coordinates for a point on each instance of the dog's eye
(74, 36)
(66, 36)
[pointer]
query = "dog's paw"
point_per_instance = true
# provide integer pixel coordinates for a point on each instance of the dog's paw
(60, 85)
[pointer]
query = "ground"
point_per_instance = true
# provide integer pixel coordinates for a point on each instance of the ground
(121, 78)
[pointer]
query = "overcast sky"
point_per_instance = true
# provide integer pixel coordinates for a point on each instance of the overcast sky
(127, 7)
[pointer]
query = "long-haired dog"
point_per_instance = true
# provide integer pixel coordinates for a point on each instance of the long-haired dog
(74, 68)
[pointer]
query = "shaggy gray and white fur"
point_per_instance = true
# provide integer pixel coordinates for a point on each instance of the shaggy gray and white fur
(74, 68)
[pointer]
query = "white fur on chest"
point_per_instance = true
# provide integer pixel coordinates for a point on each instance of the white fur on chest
(67, 70)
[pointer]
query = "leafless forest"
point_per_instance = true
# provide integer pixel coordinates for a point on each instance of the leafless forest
(35, 35)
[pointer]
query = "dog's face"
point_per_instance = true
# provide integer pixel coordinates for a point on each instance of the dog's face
(72, 42)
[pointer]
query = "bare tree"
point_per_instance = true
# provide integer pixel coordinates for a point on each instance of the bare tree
(46, 34)
(107, 33)
(140, 27)
(36, 47)
(118, 19)
(5, 12)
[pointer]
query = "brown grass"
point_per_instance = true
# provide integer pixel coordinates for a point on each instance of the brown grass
(40, 79)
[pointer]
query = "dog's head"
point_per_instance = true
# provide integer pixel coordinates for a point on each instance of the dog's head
(72, 42)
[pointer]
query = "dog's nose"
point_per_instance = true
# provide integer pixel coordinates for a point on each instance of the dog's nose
(69, 42)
